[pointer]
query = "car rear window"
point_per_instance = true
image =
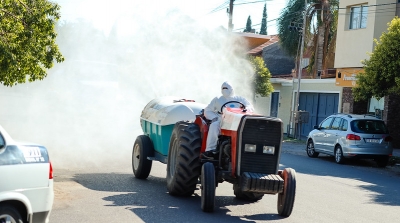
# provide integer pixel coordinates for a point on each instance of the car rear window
(369, 126)
(12, 155)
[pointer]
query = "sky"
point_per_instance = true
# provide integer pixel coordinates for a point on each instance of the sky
(209, 13)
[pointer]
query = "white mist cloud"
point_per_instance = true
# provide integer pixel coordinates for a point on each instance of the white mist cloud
(86, 112)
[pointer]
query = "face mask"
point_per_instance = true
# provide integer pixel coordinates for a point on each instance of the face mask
(227, 90)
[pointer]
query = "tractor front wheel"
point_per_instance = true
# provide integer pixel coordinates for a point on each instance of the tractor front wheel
(183, 167)
(286, 198)
(208, 187)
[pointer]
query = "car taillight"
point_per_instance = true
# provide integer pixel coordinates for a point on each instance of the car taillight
(388, 139)
(51, 172)
(353, 137)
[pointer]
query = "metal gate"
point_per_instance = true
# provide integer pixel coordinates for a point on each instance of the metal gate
(319, 106)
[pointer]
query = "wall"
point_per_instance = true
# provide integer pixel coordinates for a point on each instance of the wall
(392, 118)
(351, 106)
(352, 45)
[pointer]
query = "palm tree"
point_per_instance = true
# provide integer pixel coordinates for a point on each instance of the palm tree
(320, 31)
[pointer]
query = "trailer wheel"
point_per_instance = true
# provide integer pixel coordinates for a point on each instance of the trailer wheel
(286, 198)
(207, 187)
(10, 214)
(183, 167)
(142, 149)
(246, 196)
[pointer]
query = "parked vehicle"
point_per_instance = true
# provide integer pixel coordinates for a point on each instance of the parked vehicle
(351, 136)
(175, 133)
(26, 182)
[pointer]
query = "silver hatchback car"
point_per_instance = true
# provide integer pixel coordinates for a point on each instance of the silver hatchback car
(351, 136)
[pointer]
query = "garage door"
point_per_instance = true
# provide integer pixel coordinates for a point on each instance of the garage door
(319, 106)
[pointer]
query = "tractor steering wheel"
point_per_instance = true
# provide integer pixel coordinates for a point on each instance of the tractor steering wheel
(241, 105)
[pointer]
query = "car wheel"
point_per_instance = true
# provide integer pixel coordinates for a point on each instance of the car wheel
(10, 214)
(311, 150)
(382, 161)
(339, 158)
(142, 149)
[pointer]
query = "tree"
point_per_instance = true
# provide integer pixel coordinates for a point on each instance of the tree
(248, 25)
(27, 40)
(263, 30)
(262, 83)
(321, 33)
(381, 74)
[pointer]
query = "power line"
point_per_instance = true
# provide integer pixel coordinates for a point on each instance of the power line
(245, 3)
(272, 20)
(220, 7)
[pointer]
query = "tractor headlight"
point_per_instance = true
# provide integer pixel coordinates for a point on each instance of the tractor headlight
(269, 149)
(250, 148)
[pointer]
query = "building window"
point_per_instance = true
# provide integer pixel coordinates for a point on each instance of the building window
(358, 17)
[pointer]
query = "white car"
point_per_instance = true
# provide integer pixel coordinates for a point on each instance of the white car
(26, 182)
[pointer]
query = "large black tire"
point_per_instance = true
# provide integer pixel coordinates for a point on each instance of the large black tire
(311, 150)
(208, 187)
(10, 214)
(142, 149)
(339, 158)
(286, 198)
(246, 196)
(183, 167)
(382, 161)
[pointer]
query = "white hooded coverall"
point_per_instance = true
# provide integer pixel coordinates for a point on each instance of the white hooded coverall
(212, 113)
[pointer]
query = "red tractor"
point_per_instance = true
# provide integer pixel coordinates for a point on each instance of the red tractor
(249, 152)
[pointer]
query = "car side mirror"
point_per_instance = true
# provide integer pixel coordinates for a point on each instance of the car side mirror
(316, 127)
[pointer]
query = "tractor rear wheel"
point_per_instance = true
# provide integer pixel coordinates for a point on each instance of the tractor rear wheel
(208, 187)
(246, 196)
(142, 149)
(286, 198)
(183, 167)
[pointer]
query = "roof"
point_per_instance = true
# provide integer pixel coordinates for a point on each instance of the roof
(254, 40)
(257, 51)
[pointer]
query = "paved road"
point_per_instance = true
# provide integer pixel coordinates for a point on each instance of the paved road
(326, 192)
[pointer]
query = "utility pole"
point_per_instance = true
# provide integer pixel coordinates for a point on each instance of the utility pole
(230, 25)
(300, 67)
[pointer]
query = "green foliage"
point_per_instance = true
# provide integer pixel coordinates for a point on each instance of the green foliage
(27, 40)
(263, 30)
(248, 25)
(289, 40)
(293, 13)
(381, 75)
(262, 83)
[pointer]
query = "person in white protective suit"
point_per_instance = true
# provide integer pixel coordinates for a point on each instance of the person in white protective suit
(213, 112)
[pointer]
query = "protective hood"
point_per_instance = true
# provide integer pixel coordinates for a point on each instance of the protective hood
(227, 90)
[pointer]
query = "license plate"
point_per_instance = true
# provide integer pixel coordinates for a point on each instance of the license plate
(372, 140)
